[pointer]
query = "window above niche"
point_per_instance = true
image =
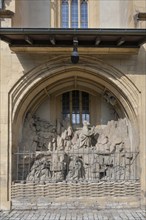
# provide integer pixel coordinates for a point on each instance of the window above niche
(74, 14)
(65, 14)
(84, 14)
(1, 4)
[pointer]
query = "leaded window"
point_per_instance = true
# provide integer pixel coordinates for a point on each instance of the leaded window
(74, 14)
(84, 14)
(65, 14)
(1, 4)
(75, 107)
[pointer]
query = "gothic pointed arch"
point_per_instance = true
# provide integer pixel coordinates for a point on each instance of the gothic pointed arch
(36, 141)
(60, 69)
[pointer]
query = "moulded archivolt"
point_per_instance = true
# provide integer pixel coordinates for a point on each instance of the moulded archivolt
(59, 69)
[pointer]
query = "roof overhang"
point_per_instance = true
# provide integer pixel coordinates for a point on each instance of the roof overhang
(59, 39)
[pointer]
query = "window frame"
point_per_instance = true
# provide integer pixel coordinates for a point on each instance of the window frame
(74, 14)
(83, 24)
(66, 9)
(78, 113)
(79, 3)
(1, 4)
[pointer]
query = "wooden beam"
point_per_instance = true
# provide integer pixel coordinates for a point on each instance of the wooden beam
(28, 40)
(142, 41)
(52, 40)
(6, 39)
(120, 42)
(97, 41)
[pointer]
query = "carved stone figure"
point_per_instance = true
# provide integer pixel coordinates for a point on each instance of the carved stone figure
(29, 138)
(86, 154)
(66, 137)
(76, 169)
(109, 98)
(40, 171)
(86, 135)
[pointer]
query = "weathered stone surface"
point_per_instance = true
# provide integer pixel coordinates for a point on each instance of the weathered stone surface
(87, 154)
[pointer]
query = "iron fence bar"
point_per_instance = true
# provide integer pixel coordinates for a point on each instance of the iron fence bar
(114, 168)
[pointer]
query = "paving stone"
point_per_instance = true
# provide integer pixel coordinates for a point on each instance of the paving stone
(76, 214)
(140, 214)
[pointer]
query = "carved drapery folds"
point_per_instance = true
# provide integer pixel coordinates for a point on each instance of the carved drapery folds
(58, 153)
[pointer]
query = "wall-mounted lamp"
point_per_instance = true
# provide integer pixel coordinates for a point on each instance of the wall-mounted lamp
(75, 54)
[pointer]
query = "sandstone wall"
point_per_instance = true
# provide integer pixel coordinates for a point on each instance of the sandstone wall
(14, 66)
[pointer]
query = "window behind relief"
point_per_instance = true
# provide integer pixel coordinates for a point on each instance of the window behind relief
(75, 107)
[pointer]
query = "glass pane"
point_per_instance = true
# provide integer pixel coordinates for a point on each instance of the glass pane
(66, 116)
(86, 117)
(1, 4)
(74, 14)
(85, 107)
(75, 102)
(65, 14)
(85, 102)
(66, 105)
(84, 14)
(76, 118)
(75, 106)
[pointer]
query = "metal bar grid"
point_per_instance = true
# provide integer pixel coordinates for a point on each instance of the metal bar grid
(75, 166)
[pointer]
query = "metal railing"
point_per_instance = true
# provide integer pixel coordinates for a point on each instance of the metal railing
(75, 166)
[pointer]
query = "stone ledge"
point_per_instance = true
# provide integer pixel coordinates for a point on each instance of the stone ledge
(61, 50)
(75, 203)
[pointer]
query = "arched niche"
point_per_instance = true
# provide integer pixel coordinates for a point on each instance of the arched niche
(58, 76)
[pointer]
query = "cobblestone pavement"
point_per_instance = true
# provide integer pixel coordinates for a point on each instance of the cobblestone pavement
(75, 214)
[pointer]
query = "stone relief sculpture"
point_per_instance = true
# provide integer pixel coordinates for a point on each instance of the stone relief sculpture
(109, 98)
(87, 154)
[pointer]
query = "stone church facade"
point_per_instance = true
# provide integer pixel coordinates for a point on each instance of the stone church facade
(72, 129)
